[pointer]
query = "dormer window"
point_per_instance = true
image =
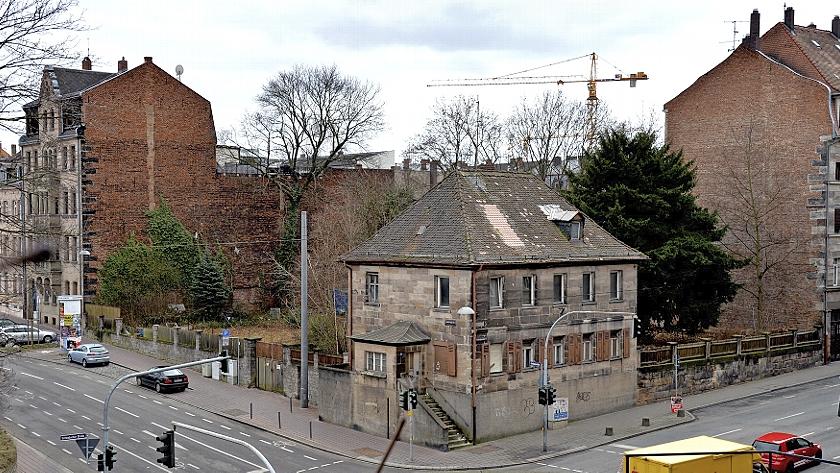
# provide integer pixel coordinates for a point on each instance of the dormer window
(571, 229)
(570, 222)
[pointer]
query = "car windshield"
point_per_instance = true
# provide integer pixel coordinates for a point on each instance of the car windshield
(98, 350)
(765, 446)
(172, 373)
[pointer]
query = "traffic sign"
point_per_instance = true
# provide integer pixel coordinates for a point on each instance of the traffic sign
(535, 364)
(87, 446)
(80, 435)
(559, 410)
(676, 404)
(225, 333)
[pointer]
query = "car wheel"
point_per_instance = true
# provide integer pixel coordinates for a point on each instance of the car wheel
(70, 358)
(47, 339)
(84, 362)
(139, 381)
(790, 468)
(157, 387)
(106, 363)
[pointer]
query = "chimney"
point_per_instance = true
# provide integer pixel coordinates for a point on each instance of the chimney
(433, 173)
(86, 65)
(424, 164)
(789, 18)
(122, 65)
(835, 26)
(755, 29)
(147, 59)
(406, 164)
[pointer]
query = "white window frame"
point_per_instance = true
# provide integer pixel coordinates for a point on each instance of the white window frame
(836, 272)
(616, 341)
(618, 294)
(374, 360)
(588, 347)
(372, 287)
(564, 279)
(527, 356)
(560, 352)
(574, 230)
(499, 301)
(532, 294)
(497, 353)
(438, 302)
(591, 288)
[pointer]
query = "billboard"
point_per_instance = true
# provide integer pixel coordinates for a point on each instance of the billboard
(69, 321)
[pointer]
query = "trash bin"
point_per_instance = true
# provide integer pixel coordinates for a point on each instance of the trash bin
(206, 370)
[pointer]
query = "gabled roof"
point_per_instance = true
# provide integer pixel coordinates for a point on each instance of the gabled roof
(71, 81)
(487, 217)
(823, 50)
(397, 334)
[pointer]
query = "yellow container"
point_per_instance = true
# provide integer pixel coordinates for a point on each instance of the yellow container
(723, 460)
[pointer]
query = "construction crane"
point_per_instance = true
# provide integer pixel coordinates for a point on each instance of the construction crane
(591, 84)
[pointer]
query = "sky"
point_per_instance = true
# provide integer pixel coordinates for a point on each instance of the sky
(229, 50)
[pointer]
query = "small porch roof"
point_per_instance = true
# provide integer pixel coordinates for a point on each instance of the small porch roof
(398, 334)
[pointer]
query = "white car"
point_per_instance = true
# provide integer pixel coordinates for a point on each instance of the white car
(89, 354)
(26, 334)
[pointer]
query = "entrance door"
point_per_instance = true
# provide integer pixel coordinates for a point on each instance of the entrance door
(834, 333)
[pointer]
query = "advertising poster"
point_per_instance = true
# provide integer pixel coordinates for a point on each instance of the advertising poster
(559, 411)
(69, 321)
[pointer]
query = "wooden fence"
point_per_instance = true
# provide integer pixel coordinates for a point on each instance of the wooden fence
(708, 349)
(274, 351)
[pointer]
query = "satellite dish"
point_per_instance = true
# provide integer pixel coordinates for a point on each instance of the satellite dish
(179, 69)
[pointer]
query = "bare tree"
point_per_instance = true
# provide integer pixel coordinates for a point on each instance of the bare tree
(33, 33)
(459, 132)
(308, 117)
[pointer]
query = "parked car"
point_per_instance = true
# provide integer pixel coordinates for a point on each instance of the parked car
(89, 354)
(786, 443)
(26, 334)
(169, 380)
(7, 323)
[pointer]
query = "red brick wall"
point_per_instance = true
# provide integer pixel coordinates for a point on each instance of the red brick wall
(148, 136)
(709, 121)
(777, 43)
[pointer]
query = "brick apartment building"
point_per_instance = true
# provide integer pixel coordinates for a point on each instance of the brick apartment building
(759, 127)
(510, 247)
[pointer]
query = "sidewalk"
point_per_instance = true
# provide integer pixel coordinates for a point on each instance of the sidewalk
(236, 403)
(30, 460)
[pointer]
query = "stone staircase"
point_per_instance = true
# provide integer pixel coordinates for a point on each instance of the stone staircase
(457, 439)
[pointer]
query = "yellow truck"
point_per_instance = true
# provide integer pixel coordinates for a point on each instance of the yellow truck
(713, 456)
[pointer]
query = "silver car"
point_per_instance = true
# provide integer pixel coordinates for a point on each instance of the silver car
(25, 334)
(89, 354)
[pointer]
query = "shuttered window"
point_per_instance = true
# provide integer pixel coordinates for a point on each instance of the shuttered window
(445, 358)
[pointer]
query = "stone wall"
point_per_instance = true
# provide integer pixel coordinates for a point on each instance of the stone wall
(656, 383)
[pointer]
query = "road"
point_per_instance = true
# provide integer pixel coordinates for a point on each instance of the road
(51, 399)
(809, 410)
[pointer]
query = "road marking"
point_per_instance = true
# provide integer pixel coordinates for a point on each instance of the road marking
(809, 433)
(42, 364)
(42, 398)
(310, 458)
(47, 413)
(128, 391)
(100, 424)
(207, 420)
(86, 418)
(31, 376)
(134, 439)
(139, 457)
(76, 427)
(22, 426)
(243, 433)
(82, 460)
(286, 449)
(224, 426)
(790, 396)
(62, 420)
(95, 399)
(142, 396)
(63, 386)
(267, 442)
(149, 433)
(193, 466)
(33, 406)
(36, 434)
(313, 468)
(831, 386)
(58, 368)
(157, 402)
(173, 407)
(546, 464)
(788, 417)
(220, 451)
(129, 413)
(337, 462)
(835, 458)
(326, 465)
(56, 404)
(66, 451)
(70, 410)
(727, 432)
(8, 419)
(29, 392)
(623, 446)
(51, 443)
(117, 431)
(189, 414)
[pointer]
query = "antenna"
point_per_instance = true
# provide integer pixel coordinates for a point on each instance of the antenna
(734, 33)
(179, 69)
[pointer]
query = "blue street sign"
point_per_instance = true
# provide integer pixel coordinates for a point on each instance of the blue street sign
(225, 333)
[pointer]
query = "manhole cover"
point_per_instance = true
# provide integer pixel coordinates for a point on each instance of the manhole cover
(235, 412)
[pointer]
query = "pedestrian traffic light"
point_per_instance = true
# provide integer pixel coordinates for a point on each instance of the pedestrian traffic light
(412, 398)
(550, 394)
(167, 449)
(404, 400)
(109, 457)
(543, 398)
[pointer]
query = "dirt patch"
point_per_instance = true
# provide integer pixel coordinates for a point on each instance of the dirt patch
(8, 452)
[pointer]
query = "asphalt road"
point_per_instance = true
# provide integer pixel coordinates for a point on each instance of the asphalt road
(809, 410)
(52, 399)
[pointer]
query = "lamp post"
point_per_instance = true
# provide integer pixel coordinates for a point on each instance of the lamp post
(82, 255)
(563, 315)
(467, 311)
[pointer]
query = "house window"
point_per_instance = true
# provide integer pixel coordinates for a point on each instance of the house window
(616, 289)
(527, 354)
(836, 270)
(615, 344)
(559, 288)
(496, 357)
(497, 286)
(72, 157)
(836, 220)
(571, 229)
(529, 290)
(588, 349)
(372, 288)
(375, 361)
(837, 171)
(559, 351)
(441, 291)
(588, 289)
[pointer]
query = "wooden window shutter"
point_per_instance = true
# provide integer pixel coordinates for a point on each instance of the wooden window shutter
(598, 340)
(626, 343)
(441, 357)
(485, 359)
(540, 349)
(507, 359)
(451, 360)
(517, 363)
(550, 354)
(575, 348)
(566, 351)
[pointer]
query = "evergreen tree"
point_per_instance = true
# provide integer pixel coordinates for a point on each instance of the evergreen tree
(174, 243)
(208, 292)
(640, 192)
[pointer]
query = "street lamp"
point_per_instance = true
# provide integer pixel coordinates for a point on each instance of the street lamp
(467, 311)
(563, 315)
(82, 255)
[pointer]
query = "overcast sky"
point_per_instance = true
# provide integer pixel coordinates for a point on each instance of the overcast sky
(230, 49)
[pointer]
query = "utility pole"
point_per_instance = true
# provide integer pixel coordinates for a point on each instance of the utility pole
(304, 314)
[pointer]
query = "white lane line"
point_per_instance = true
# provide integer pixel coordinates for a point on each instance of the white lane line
(337, 462)
(789, 397)
(22, 426)
(157, 402)
(56, 404)
(727, 432)
(326, 465)
(70, 410)
(189, 414)
(300, 471)
(66, 451)
(42, 398)
(36, 434)
(62, 420)
(142, 396)
(82, 460)
(809, 433)
(76, 427)
(286, 449)
(31, 376)
(243, 433)
(64, 386)
(835, 458)
(149, 433)
(134, 439)
(207, 420)
(7, 418)
(128, 391)
(313, 468)
(33, 406)
(546, 464)
(193, 466)
(51, 443)
(160, 426)
(788, 417)
(117, 431)
(310, 458)
(100, 424)
(220, 451)
(29, 392)
(58, 368)
(224, 426)
(47, 413)
(623, 446)
(42, 364)
(267, 442)
(129, 413)
(86, 418)
(173, 408)
(95, 399)
(139, 457)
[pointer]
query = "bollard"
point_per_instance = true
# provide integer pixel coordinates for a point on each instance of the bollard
(681, 413)
(645, 421)
(251, 404)
(279, 426)
(609, 431)
(310, 430)
(290, 404)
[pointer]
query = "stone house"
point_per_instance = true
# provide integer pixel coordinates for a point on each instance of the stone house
(512, 249)
(756, 127)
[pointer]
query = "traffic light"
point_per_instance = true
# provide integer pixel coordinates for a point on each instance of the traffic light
(404, 400)
(109, 457)
(167, 449)
(100, 462)
(543, 396)
(550, 394)
(412, 398)
(224, 363)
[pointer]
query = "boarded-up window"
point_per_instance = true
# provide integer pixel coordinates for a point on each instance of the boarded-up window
(445, 358)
